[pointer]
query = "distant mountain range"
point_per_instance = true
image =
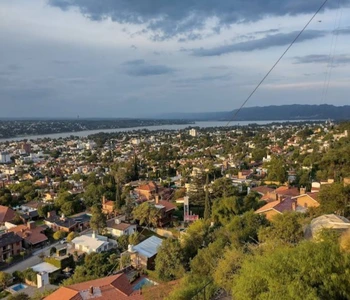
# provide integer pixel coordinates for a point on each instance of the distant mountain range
(271, 113)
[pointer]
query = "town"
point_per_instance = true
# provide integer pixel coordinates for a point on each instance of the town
(26, 127)
(177, 214)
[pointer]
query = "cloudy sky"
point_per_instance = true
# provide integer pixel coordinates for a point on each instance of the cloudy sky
(131, 58)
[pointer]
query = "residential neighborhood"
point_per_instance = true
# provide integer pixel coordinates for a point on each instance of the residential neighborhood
(126, 215)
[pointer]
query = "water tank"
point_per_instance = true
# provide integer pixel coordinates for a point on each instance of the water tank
(130, 248)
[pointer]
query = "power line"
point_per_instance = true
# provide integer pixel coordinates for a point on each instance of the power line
(276, 63)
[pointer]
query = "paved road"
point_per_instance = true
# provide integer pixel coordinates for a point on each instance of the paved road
(32, 260)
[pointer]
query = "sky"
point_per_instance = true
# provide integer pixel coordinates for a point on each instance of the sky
(143, 58)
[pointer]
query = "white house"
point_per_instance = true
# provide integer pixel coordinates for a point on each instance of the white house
(117, 228)
(93, 243)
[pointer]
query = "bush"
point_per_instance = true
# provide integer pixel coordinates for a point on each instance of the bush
(30, 275)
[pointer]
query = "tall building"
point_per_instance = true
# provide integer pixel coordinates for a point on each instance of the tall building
(5, 158)
(193, 132)
(26, 147)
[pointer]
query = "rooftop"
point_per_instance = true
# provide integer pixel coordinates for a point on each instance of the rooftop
(149, 247)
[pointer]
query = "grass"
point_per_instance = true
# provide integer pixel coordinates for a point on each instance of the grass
(4, 294)
(39, 222)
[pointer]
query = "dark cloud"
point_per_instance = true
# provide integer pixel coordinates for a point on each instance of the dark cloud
(273, 30)
(322, 58)
(191, 37)
(186, 82)
(140, 67)
(279, 39)
(170, 18)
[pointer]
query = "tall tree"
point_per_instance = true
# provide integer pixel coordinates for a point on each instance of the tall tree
(146, 214)
(169, 260)
(207, 201)
(98, 219)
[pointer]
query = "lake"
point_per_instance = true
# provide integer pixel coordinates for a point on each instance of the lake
(202, 124)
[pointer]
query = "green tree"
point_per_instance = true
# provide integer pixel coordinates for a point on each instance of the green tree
(277, 170)
(224, 209)
(227, 267)
(18, 296)
(71, 236)
(207, 209)
(5, 279)
(53, 250)
(223, 188)
(244, 229)
(93, 194)
(169, 260)
(146, 214)
(58, 235)
(334, 198)
(5, 197)
(134, 238)
(195, 237)
(98, 219)
(311, 270)
(252, 202)
(285, 228)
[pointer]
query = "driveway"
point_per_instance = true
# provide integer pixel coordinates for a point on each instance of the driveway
(33, 260)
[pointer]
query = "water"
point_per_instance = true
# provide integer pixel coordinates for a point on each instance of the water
(202, 124)
(143, 282)
(18, 287)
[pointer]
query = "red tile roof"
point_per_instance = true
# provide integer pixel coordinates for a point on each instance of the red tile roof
(168, 205)
(7, 214)
(280, 206)
(262, 189)
(116, 287)
(33, 236)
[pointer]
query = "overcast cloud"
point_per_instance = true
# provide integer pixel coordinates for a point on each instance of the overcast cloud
(131, 58)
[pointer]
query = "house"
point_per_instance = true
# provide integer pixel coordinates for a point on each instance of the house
(282, 191)
(306, 200)
(244, 174)
(277, 207)
(143, 255)
(10, 245)
(77, 222)
(147, 190)
(166, 211)
(111, 288)
(107, 206)
(7, 214)
(117, 228)
(93, 243)
(32, 235)
(332, 222)
(262, 190)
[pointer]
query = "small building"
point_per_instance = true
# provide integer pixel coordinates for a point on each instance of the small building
(143, 255)
(331, 222)
(31, 234)
(107, 206)
(277, 207)
(147, 190)
(93, 243)
(306, 200)
(117, 228)
(10, 245)
(166, 211)
(44, 271)
(75, 223)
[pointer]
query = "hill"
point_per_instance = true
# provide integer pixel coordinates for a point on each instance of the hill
(274, 112)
